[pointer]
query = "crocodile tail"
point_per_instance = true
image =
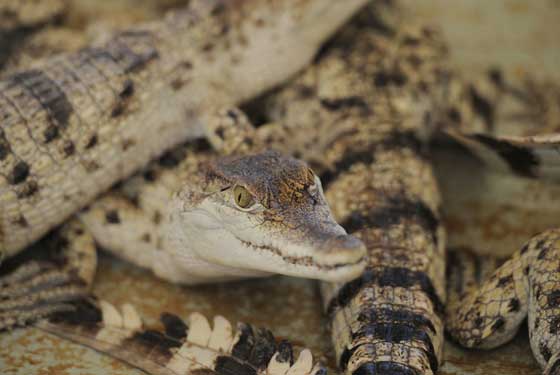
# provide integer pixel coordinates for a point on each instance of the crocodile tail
(190, 346)
(389, 320)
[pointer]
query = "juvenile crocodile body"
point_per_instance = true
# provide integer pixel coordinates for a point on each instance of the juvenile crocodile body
(381, 186)
(382, 189)
(77, 124)
(486, 312)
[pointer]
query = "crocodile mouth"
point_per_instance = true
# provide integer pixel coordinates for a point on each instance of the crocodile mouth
(308, 266)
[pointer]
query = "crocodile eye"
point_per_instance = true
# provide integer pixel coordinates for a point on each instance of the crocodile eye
(242, 197)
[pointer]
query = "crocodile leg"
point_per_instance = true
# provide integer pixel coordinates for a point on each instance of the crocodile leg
(40, 287)
(182, 347)
(488, 315)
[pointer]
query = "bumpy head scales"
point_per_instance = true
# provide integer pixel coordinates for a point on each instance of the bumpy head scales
(267, 212)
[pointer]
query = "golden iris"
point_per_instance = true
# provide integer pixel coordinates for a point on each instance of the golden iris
(243, 198)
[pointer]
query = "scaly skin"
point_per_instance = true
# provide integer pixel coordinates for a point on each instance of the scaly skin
(75, 125)
(179, 218)
(19, 19)
(487, 314)
(182, 347)
(369, 96)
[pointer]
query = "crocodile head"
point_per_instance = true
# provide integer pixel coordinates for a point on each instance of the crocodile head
(267, 212)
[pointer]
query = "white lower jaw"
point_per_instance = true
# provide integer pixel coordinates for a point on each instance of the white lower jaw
(219, 246)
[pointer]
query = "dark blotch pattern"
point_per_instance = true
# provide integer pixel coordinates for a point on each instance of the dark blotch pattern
(263, 350)
(84, 313)
(151, 340)
(482, 106)
(503, 281)
(519, 159)
(174, 326)
(385, 368)
(545, 351)
(19, 173)
(350, 158)
(514, 305)
(285, 352)
(498, 324)
(388, 315)
(397, 209)
(51, 133)
(555, 325)
(242, 349)
(68, 148)
(49, 94)
(555, 368)
(553, 299)
(4, 146)
(397, 333)
(28, 190)
(347, 102)
(393, 277)
(91, 142)
(229, 366)
(112, 217)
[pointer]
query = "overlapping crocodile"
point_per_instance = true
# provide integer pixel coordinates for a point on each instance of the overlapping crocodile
(389, 319)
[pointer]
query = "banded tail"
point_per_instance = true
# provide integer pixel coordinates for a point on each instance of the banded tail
(182, 347)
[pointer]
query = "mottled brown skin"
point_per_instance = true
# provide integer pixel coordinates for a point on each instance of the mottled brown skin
(380, 186)
(22, 18)
(42, 286)
(487, 313)
(101, 113)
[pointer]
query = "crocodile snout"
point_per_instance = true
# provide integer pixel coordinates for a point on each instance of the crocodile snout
(341, 250)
